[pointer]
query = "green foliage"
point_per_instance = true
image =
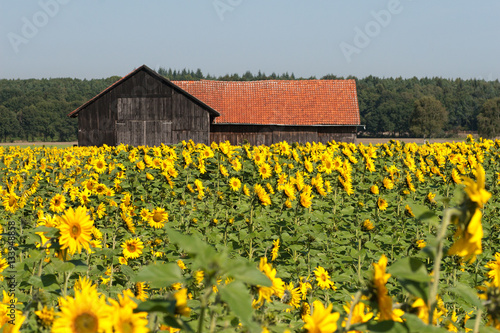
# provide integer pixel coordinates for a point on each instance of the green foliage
(37, 109)
(428, 118)
(489, 119)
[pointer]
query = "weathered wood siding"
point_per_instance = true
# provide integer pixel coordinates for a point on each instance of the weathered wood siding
(267, 135)
(142, 110)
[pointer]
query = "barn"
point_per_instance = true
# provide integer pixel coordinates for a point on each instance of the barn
(144, 108)
(270, 111)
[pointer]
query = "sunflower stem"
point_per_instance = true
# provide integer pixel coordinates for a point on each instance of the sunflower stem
(354, 302)
(40, 267)
(478, 321)
(359, 256)
(111, 276)
(203, 307)
(250, 229)
(66, 280)
(431, 302)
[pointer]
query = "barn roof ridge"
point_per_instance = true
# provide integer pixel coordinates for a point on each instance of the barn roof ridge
(148, 70)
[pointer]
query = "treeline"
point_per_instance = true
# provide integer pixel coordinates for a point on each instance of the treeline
(36, 110)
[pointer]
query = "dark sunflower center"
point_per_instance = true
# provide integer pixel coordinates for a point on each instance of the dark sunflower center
(12, 200)
(127, 327)
(86, 323)
(157, 217)
(75, 231)
(131, 248)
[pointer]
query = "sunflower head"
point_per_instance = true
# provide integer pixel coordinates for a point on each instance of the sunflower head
(76, 230)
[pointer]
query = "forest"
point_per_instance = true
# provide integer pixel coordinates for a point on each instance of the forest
(36, 109)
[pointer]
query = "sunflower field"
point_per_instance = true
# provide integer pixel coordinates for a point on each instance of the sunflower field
(317, 238)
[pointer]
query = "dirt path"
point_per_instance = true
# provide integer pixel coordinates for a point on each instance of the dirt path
(38, 143)
(375, 141)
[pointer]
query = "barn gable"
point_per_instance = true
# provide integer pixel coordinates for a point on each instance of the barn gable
(143, 108)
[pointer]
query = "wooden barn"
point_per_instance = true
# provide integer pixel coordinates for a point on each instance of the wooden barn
(144, 108)
(265, 112)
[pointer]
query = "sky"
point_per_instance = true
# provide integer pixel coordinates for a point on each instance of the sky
(88, 39)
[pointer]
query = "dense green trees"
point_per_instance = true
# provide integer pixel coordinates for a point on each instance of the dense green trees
(428, 118)
(489, 119)
(37, 109)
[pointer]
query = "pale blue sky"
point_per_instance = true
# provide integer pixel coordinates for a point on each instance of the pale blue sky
(386, 38)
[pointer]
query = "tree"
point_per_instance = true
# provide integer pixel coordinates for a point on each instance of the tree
(488, 120)
(9, 126)
(428, 118)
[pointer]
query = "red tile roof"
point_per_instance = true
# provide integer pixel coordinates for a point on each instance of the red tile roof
(279, 102)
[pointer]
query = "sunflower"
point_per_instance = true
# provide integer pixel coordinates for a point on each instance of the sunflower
(292, 296)
(265, 170)
(223, 171)
(384, 301)
(469, 228)
(388, 184)
(236, 164)
(235, 184)
(100, 189)
(85, 313)
(181, 307)
(10, 202)
(126, 321)
(45, 316)
(84, 284)
(382, 204)
(323, 278)
(408, 211)
(368, 225)
(276, 247)
(420, 243)
(141, 291)
(101, 210)
(58, 203)
(358, 312)
(277, 288)
(181, 264)
(327, 165)
(69, 159)
(289, 190)
(494, 273)
(322, 320)
(199, 276)
(132, 248)
(100, 165)
(157, 218)
(306, 197)
(76, 230)
(304, 286)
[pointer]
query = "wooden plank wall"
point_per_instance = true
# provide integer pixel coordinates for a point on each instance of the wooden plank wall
(142, 111)
(267, 135)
